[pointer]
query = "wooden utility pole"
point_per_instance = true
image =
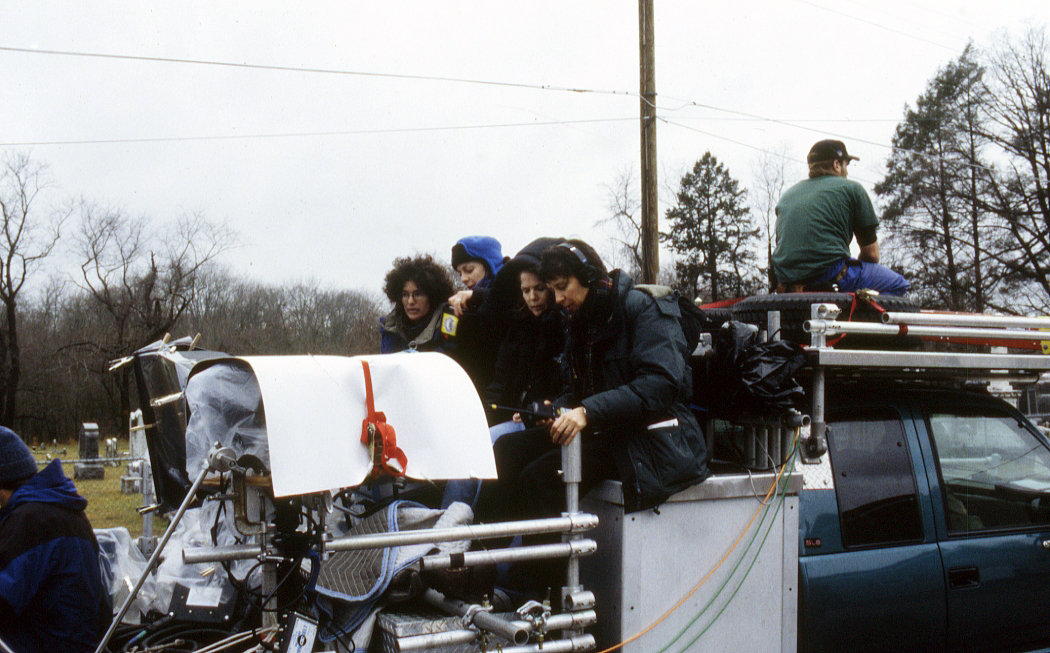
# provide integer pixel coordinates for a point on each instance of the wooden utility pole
(650, 215)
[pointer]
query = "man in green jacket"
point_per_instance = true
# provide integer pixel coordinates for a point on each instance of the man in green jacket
(817, 219)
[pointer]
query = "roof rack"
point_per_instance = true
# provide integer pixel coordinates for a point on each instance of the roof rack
(994, 332)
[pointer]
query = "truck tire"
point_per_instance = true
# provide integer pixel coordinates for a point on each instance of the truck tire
(795, 310)
(718, 316)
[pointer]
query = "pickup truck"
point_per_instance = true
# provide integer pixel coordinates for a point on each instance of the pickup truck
(927, 525)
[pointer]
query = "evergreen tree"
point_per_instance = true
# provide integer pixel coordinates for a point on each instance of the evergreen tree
(712, 230)
(935, 178)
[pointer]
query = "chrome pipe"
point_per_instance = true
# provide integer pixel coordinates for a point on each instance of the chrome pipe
(433, 641)
(572, 476)
(582, 600)
(583, 547)
(575, 644)
(579, 522)
(570, 620)
(949, 319)
(831, 328)
(478, 616)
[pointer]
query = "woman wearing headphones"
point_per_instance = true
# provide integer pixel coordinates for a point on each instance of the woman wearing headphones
(628, 400)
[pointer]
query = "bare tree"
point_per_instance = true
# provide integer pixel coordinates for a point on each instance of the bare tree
(769, 176)
(1018, 108)
(142, 280)
(624, 216)
(26, 241)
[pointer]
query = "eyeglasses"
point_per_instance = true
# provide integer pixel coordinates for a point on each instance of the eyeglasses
(415, 294)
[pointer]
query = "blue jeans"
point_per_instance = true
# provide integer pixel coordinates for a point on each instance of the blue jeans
(860, 274)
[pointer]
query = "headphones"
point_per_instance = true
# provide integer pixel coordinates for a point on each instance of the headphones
(590, 273)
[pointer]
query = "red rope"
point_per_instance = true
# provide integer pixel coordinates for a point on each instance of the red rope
(386, 455)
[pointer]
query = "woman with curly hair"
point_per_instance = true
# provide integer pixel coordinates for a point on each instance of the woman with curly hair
(418, 287)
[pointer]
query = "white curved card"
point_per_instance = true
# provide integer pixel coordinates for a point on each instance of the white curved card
(315, 406)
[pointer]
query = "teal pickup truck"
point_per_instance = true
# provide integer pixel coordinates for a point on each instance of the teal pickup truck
(926, 527)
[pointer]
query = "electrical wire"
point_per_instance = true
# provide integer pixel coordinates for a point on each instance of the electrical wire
(322, 71)
(684, 103)
(762, 508)
(349, 132)
(879, 25)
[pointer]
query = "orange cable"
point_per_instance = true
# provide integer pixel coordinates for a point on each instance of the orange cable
(707, 577)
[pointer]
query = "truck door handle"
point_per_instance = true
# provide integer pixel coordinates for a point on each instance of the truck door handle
(963, 578)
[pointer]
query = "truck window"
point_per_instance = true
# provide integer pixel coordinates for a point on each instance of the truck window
(995, 473)
(875, 487)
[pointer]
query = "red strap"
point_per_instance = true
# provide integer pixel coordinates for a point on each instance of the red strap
(852, 307)
(386, 455)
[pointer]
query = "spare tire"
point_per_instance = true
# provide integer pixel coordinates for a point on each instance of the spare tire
(795, 310)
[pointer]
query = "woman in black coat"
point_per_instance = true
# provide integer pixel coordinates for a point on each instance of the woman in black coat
(527, 368)
(628, 398)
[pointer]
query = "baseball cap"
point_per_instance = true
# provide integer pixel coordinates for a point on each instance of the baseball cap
(829, 150)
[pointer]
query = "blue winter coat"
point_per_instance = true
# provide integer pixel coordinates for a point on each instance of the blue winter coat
(51, 592)
(629, 370)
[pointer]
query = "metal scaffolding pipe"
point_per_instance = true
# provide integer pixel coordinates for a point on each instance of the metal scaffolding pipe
(433, 641)
(576, 523)
(476, 615)
(571, 621)
(574, 644)
(573, 523)
(571, 549)
(831, 328)
(951, 319)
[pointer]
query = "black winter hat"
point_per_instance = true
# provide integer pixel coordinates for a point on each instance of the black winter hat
(16, 461)
(829, 150)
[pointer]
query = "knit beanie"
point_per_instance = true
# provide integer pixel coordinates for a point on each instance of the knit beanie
(16, 461)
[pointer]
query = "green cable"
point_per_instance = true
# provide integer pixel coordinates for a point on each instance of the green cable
(747, 572)
(782, 492)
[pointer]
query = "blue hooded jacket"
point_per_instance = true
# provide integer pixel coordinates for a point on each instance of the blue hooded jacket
(51, 592)
(483, 248)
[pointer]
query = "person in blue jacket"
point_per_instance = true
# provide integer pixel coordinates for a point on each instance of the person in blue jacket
(480, 314)
(52, 597)
(417, 287)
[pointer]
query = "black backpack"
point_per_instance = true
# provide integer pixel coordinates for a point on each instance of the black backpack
(694, 321)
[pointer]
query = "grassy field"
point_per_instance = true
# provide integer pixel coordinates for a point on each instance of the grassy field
(107, 507)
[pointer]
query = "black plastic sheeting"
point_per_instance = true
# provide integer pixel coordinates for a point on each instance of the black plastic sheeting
(743, 376)
(157, 376)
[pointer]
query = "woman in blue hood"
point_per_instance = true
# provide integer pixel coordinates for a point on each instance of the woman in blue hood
(477, 260)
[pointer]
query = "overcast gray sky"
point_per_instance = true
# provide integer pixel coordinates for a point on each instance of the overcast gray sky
(330, 175)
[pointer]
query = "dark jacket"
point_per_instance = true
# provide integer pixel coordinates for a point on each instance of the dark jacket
(478, 333)
(491, 314)
(51, 592)
(627, 354)
(528, 366)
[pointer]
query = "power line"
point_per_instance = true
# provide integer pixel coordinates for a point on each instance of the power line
(322, 71)
(393, 130)
(879, 25)
(755, 116)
